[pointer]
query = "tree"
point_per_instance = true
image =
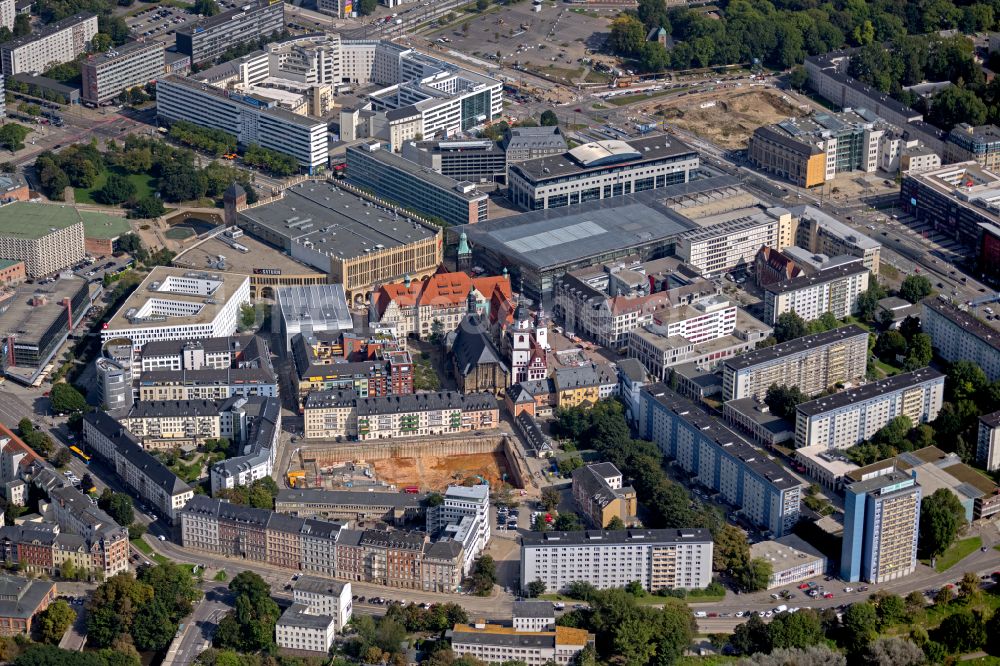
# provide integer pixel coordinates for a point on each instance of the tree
(539, 524)
(118, 506)
(915, 288)
(567, 522)
(248, 316)
(117, 189)
(941, 516)
(893, 432)
(783, 400)
(139, 160)
(66, 399)
(616, 523)
(968, 588)
(12, 135)
(549, 118)
(751, 637)
(148, 208)
(153, 629)
(860, 623)
(484, 575)
(250, 626)
(627, 35)
(205, 7)
(550, 498)
(798, 77)
(889, 345)
(732, 551)
(795, 630)
(815, 655)
(536, 588)
(22, 25)
(956, 104)
(789, 327)
(963, 631)
(756, 575)
(60, 457)
(366, 7)
(920, 352)
(890, 608)
(868, 301)
(113, 607)
(964, 380)
(55, 620)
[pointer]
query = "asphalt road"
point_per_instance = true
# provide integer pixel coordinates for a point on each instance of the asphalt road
(196, 636)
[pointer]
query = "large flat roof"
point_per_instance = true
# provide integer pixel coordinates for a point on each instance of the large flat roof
(99, 225)
(335, 221)
(965, 321)
(29, 323)
(276, 111)
(139, 311)
(47, 30)
(555, 236)
(258, 257)
(839, 272)
(603, 155)
(27, 220)
(428, 176)
(315, 304)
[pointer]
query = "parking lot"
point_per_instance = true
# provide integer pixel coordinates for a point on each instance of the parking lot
(159, 21)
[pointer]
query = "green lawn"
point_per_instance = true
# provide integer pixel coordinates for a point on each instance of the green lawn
(958, 551)
(144, 547)
(145, 185)
(885, 367)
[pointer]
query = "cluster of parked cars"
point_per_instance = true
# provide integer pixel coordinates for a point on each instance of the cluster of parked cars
(506, 519)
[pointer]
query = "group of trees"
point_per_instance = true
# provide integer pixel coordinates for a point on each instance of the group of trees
(12, 136)
(141, 612)
(259, 494)
(791, 325)
(484, 576)
(55, 620)
(117, 505)
(907, 347)
(43, 654)
(40, 442)
(249, 627)
(782, 400)
(272, 161)
(941, 517)
(132, 244)
(629, 633)
(896, 436)
(782, 34)
(379, 640)
(209, 140)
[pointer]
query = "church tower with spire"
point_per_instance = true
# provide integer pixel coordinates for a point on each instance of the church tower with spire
(464, 260)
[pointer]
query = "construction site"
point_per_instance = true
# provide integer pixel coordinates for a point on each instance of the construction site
(427, 465)
(727, 117)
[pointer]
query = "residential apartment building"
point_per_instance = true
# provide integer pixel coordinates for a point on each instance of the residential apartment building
(331, 414)
(397, 559)
(600, 170)
(834, 290)
(763, 491)
(143, 473)
(302, 629)
(822, 234)
(253, 424)
(725, 246)
(813, 363)
(428, 193)
(575, 386)
(881, 527)
(495, 644)
(656, 559)
(353, 506)
(105, 545)
(599, 492)
(177, 304)
(207, 384)
(209, 38)
(170, 424)
(121, 68)
(58, 42)
(850, 417)
(988, 442)
(45, 237)
(325, 597)
(534, 616)
(959, 336)
(980, 144)
(21, 599)
(114, 383)
(439, 303)
(812, 150)
(251, 120)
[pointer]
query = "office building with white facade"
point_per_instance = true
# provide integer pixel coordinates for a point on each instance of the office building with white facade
(498, 644)
(733, 244)
(253, 120)
(464, 516)
(762, 490)
(957, 335)
(303, 629)
(791, 560)
(325, 597)
(852, 416)
(534, 615)
(48, 45)
(813, 363)
(120, 68)
(178, 304)
(600, 170)
(834, 290)
(656, 559)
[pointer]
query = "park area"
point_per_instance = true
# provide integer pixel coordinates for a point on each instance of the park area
(145, 186)
(437, 472)
(728, 117)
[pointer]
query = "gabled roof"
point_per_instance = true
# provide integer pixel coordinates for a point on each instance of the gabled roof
(441, 290)
(472, 346)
